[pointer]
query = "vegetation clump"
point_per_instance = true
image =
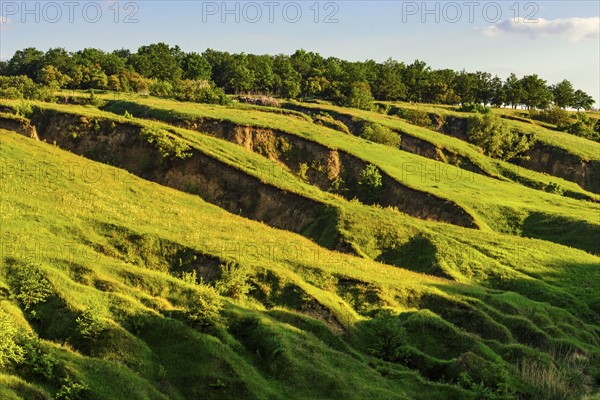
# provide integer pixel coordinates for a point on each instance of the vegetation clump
(497, 140)
(370, 184)
(380, 134)
(167, 146)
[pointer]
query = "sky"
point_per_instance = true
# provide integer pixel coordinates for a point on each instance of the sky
(555, 39)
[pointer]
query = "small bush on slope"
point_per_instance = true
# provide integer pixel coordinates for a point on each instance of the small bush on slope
(489, 132)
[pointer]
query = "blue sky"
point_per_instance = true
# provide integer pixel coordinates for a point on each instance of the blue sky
(557, 39)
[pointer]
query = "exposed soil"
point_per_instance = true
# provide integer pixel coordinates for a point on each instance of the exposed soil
(543, 157)
(325, 166)
(408, 142)
(122, 145)
(21, 126)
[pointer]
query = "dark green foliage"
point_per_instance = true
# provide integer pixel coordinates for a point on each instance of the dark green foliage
(474, 108)
(37, 362)
(415, 116)
(160, 69)
(370, 184)
(167, 146)
(380, 134)
(493, 135)
(29, 284)
(388, 337)
(70, 390)
(498, 391)
(23, 87)
(90, 323)
(582, 126)
(10, 351)
(204, 307)
(233, 281)
(198, 92)
(358, 95)
(553, 115)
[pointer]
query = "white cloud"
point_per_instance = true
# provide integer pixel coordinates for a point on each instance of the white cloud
(573, 28)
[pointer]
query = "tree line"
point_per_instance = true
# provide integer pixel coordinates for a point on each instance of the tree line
(165, 71)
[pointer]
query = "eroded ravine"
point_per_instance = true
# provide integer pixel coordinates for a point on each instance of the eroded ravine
(329, 169)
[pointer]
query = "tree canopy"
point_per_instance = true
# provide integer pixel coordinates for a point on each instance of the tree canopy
(300, 75)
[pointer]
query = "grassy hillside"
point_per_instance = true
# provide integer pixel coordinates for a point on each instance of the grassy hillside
(110, 275)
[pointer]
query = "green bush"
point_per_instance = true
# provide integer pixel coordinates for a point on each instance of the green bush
(199, 92)
(358, 95)
(553, 115)
(24, 109)
(583, 126)
(233, 281)
(380, 134)
(370, 184)
(161, 89)
(70, 390)
(474, 108)
(90, 323)
(554, 188)
(29, 284)
(10, 351)
(167, 146)
(36, 361)
(415, 116)
(491, 133)
(204, 307)
(388, 337)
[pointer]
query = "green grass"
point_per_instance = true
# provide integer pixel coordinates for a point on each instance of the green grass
(501, 208)
(110, 240)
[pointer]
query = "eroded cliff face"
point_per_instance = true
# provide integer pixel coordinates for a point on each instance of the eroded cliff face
(542, 157)
(559, 162)
(327, 166)
(123, 146)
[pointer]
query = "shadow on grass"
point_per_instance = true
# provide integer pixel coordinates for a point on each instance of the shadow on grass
(573, 233)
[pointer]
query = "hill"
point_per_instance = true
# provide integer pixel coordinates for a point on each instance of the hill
(188, 250)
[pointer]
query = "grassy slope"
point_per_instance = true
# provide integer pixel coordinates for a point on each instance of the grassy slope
(493, 167)
(49, 203)
(586, 149)
(494, 203)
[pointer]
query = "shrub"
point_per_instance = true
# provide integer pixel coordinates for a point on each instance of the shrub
(70, 390)
(489, 132)
(554, 188)
(90, 323)
(190, 277)
(199, 92)
(358, 95)
(204, 307)
(24, 109)
(553, 115)
(233, 281)
(29, 284)
(380, 134)
(474, 108)
(302, 170)
(161, 89)
(583, 126)
(36, 361)
(10, 351)
(370, 183)
(167, 146)
(415, 116)
(388, 337)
